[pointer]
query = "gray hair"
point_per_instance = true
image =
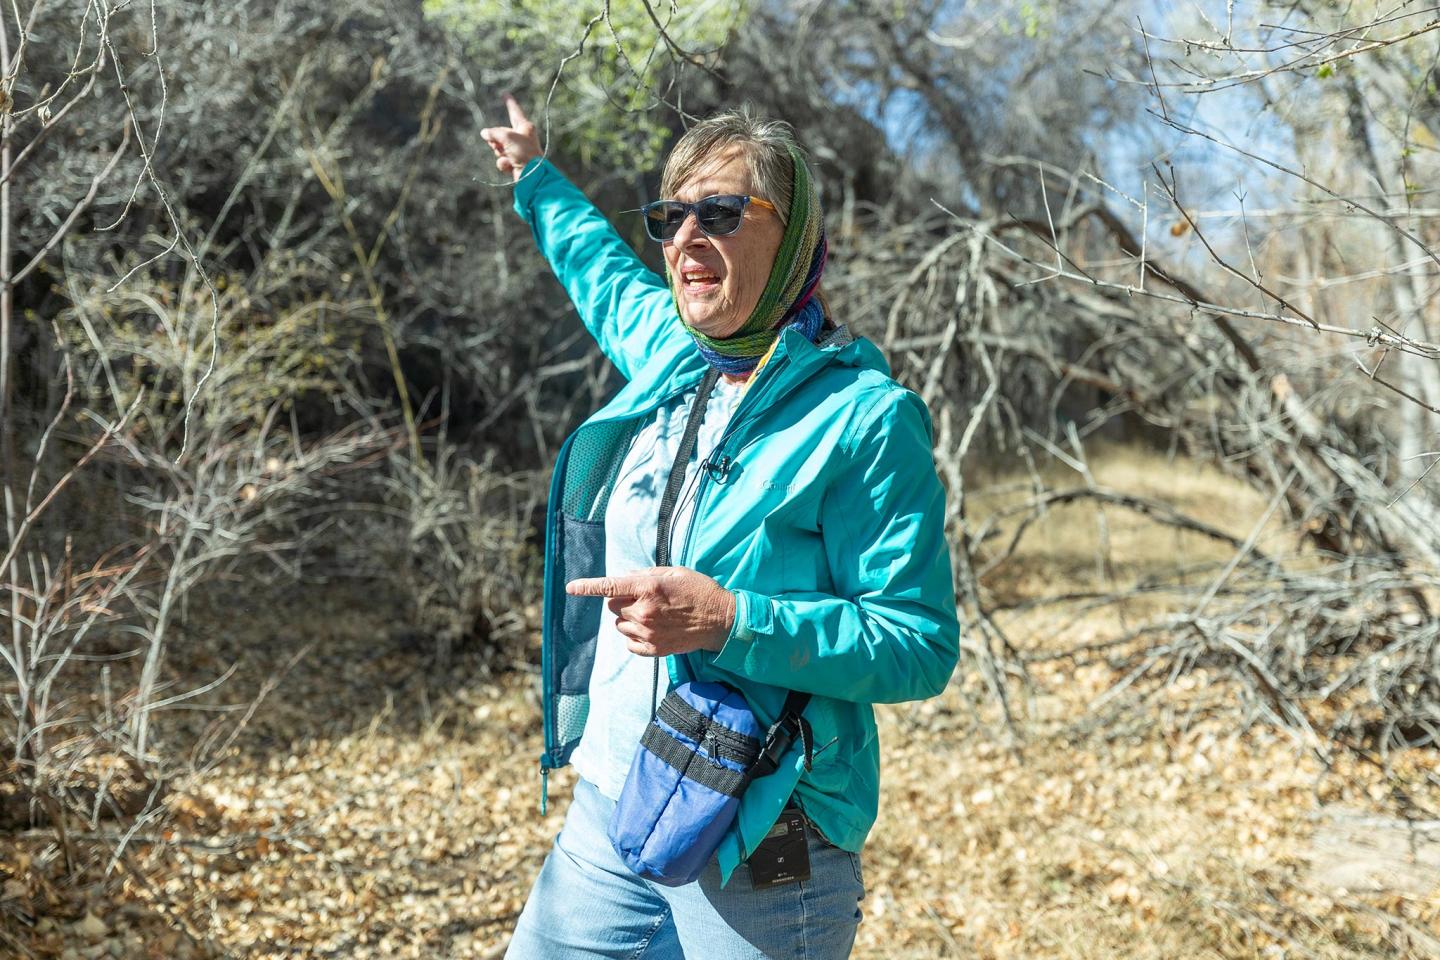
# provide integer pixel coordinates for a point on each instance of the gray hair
(764, 143)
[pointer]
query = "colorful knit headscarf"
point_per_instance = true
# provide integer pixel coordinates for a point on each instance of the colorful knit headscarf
(788, 298)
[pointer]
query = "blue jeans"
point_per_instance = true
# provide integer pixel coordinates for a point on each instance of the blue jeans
(587, 903)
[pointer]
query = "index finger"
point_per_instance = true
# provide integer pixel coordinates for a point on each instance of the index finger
(607, 586)
(517, 116)
(662, 571)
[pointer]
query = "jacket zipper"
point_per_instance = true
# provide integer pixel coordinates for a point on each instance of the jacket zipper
(700, 487)
(547, 693)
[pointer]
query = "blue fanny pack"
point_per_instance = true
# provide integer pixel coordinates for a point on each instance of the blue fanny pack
(701, 750)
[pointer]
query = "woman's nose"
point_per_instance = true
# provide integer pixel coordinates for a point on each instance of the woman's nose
(689, 232)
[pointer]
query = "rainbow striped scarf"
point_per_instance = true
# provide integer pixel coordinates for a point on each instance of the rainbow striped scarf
(788, 298)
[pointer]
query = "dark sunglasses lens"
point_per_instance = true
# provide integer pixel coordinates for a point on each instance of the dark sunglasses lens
(663, 219)
(720, 216)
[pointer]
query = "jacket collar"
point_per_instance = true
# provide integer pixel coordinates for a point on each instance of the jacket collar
(803, 359)
(795, 360)
(838, 346)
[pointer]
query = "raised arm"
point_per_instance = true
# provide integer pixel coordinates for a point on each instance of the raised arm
(625, 305)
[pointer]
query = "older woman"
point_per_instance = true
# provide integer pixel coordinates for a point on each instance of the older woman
(796, 545)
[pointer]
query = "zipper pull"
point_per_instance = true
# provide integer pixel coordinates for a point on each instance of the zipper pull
(710, 745)
(544, 789)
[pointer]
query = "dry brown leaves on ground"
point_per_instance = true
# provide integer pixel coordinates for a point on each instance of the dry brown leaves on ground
(377, 807)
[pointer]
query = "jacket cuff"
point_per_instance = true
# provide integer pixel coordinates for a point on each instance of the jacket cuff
(754, 620)
(532, 176)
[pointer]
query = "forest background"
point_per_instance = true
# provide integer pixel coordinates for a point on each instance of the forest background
(282, 378)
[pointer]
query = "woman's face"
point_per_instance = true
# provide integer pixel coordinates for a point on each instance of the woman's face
(718, 280)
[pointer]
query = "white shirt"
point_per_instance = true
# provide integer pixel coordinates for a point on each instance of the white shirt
(620, 683)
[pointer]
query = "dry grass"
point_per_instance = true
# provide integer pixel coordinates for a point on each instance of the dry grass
(1175, 837)
(377, 809)
(1078, 547)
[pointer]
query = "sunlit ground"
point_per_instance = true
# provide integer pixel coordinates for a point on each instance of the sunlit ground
(376, 807)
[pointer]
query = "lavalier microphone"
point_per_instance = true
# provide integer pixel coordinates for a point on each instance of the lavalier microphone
(719, 468)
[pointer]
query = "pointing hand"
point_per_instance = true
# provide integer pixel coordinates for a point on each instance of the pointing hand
(664, 610)
(515, 145)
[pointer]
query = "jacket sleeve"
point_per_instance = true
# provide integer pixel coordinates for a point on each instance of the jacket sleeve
(892, 633)
(625, 305)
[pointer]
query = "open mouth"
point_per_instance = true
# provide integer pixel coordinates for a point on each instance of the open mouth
(698, 281)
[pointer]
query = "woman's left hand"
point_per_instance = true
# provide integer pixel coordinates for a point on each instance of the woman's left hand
(664, 610)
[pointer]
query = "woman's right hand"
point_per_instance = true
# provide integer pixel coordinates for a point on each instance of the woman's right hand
(515, 145)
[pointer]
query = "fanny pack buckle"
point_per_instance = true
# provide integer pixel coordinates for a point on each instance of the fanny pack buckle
(778, 740)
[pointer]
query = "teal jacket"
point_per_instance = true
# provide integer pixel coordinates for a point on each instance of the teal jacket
(829, 528)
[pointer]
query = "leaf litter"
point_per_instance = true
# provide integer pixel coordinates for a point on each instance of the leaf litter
(382, 806)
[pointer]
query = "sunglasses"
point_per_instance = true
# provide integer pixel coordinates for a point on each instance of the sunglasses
(718, 216)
